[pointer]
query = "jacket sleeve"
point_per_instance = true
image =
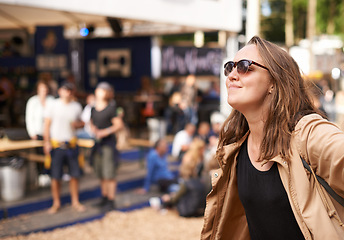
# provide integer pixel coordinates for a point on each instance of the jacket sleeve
(322, 144)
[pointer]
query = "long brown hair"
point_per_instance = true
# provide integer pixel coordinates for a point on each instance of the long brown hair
(290, 101)
(192, 158)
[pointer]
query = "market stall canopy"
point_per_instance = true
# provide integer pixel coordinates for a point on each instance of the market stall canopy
(130, 17)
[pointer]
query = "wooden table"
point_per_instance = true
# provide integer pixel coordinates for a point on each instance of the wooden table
(134, 142)
(23, 147)
(7, 145)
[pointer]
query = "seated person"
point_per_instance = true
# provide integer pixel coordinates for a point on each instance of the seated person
(191, 197)
(203, 132)
(157, 169)
(182, 141)
(216, 119)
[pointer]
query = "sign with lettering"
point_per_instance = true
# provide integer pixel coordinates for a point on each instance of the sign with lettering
(181, 61)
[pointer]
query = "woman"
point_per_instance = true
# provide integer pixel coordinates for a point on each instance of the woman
(34, 118)
(104, 123)
(262, 190)
(192, 159)
(35, 108)
(190, 198)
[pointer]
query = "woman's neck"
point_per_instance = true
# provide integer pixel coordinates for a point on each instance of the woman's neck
(256, 133)
(42, 99)
(101, 104)
(256, 126)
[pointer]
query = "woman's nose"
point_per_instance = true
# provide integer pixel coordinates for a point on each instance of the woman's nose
(232, 76)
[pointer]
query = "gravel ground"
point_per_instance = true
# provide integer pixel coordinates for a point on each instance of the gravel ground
(141, 224)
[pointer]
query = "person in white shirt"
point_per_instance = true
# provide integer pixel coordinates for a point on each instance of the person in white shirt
(86, 132)
(182, 140)
(62, 119)
(35, 107)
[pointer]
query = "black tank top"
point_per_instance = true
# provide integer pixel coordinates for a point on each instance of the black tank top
(268, 211)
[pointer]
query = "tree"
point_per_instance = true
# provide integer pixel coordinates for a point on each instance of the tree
(327, 19)
(271, 25)
(311, 31)
(311, 19)
(289, 28)
(330, 17)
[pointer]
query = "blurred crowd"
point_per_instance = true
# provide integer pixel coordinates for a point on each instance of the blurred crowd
(193, 151)
(55, 115)
(194, 141)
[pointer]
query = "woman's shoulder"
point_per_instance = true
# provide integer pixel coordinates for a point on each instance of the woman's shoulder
(314, 130)
(152, 153)
(32, 99)
(311, 120)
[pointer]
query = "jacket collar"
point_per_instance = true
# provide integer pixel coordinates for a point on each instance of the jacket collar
(227, 151)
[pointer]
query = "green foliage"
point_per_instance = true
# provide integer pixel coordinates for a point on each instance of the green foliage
(300, 18)
(272, 27)
(324, 14)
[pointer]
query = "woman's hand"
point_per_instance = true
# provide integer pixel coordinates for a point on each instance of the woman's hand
(101, 133)
(34, 137)
(166, 198)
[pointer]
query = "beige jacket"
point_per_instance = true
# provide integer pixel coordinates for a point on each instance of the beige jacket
(321, 144)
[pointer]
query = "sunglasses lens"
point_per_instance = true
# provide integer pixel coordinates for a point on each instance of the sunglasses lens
(243, 66)
(228, 68)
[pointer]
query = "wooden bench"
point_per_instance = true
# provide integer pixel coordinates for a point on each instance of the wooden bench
(7, 146)
(133, 142)
(33, 157)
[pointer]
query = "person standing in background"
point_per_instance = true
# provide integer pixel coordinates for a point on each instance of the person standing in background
(52, 83)
(62, 118)
(35, 107)
(190, 99)
(86, 132)
(104, 124)
(34, 116)
(182, 140)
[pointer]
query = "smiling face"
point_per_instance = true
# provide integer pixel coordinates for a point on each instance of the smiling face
(249, 92)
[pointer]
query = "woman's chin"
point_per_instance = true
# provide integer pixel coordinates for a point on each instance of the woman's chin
(233, 103)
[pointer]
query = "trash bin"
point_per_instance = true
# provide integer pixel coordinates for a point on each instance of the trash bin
(12, 178)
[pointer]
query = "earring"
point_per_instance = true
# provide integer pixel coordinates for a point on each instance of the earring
(271, 90)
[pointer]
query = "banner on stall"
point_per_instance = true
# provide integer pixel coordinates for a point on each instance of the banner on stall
(181, 61)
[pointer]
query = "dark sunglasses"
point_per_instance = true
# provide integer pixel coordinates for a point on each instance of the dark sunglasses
(242, 66)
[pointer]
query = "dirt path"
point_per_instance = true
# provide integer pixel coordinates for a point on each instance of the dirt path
(142, 224)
